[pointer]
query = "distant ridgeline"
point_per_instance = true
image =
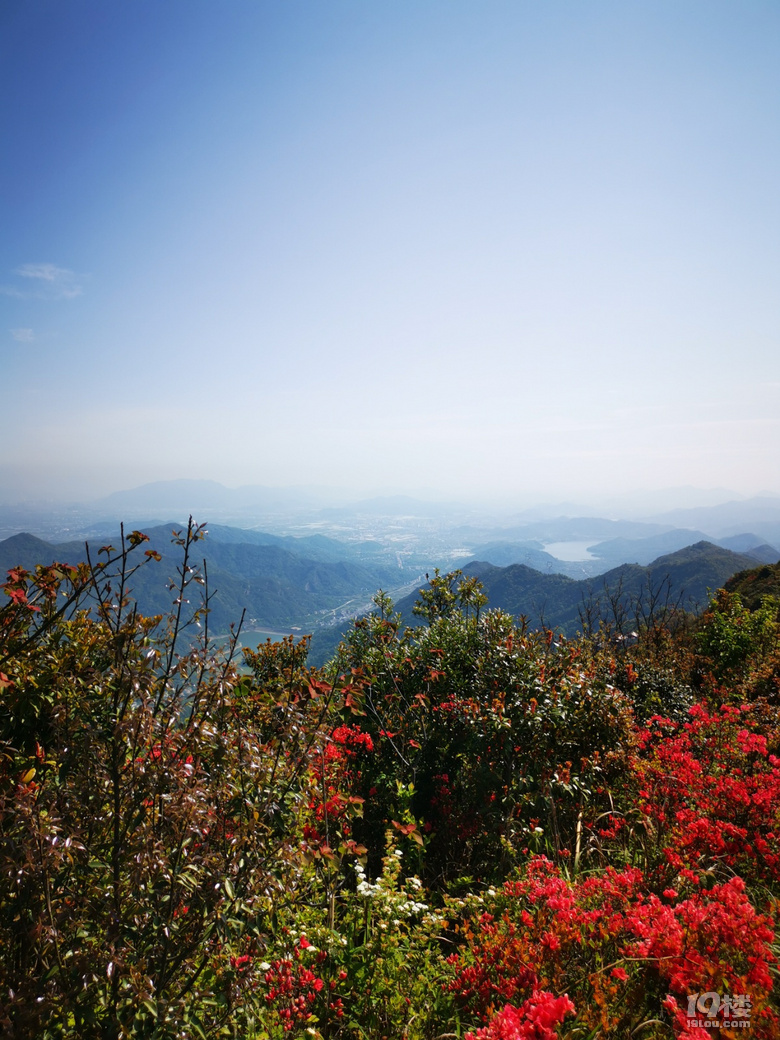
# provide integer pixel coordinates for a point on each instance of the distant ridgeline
(316, 584)
(279, 582)
(683, 580)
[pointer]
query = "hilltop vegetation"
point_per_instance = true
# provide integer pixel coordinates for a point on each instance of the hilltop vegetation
(755, 584)
(460, 827)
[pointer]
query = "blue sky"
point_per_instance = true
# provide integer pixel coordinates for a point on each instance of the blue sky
(470, 249)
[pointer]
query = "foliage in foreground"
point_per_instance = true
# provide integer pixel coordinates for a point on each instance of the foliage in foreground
(464, 829)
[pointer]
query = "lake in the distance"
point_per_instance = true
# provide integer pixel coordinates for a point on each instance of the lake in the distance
(570, 552)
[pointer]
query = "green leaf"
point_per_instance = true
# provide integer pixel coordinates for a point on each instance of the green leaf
(197, 1028)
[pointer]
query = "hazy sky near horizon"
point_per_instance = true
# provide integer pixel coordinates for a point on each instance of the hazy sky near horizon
(480, 248)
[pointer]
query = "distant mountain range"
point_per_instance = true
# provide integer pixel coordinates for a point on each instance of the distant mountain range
(717, 512)
(614, 551)
(183, 497)
(279, 581)
(761, 514)
(686, 577)
(316, 583)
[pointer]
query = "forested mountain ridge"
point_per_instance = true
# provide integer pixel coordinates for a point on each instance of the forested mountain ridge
(753, 585)
(262, 575)
(622, 597)
(284, 581)
(683, 578)
(610, 553)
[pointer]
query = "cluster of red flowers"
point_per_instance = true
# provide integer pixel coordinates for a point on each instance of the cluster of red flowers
(294, 989)
(338, 771)
(553, 931)
(535, 1020)
(711, 788)
(347, 742)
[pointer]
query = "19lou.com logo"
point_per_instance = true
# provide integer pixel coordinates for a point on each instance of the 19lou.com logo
(719, 1010)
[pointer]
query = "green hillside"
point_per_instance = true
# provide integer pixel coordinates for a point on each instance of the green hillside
(682, 579)
(274, 585)
(754, 584)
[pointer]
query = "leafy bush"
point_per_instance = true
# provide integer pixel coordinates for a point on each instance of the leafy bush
(732, 637)
(148, 803)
